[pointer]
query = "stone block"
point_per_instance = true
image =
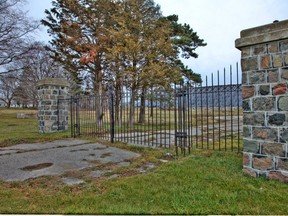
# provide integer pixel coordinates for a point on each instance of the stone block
(264, 104)
(48, 113)
(265, 62)
(278, 175)
(249, 172)
(251, 146)
(245, 52)
(273, 76)
(257, 77)
(246, 105)
(245, 78)
(246, 132)
(264, 89)
(283, 46)
(259, 49)
(246, 159)
(277, 119)
(273, 149)
(273, 47)
(262, 163)
(285, 59)
(282, 164)
(248, 91)
(254, 118)
(277, 60)
(284, 74)
(280, 89)
(283, 103)
(248, 64)
(284, 136)
(267, 134)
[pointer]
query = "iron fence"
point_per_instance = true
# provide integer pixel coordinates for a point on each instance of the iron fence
(182, 117)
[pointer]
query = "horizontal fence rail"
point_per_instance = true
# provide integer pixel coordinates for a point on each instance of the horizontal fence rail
(182, 117)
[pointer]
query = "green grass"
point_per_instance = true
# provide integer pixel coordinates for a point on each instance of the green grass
(206, 182)
(15, 130)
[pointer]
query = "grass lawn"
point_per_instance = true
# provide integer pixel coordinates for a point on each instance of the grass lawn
(205, 182)
(15, 130)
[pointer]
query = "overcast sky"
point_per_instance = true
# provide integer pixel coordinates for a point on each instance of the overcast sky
(218, 22)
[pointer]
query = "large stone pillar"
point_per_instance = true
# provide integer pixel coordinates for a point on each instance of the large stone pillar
(53, 109)
(264, 63)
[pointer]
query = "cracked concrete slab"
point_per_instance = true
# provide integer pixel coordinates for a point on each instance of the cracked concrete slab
(21, 162)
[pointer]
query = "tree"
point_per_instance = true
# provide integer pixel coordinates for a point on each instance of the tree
(124, 43)
(15, 33)
(37, 65)
(142, 48)
(185, 41)
(80, 39)
(8, 85)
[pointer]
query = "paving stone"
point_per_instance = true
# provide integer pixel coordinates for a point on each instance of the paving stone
(62, 155)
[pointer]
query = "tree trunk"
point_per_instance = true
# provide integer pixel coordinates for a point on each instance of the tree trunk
(142, 106)
(132, 107)
(98, 90)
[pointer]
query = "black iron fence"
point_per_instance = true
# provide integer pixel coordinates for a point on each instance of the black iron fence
(182, 117)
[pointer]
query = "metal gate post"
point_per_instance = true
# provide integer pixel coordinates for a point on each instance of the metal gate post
(77, 125)
(72, 117)
(112, 120)
(180, 121)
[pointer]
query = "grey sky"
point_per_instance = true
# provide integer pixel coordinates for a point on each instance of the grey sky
(218, 22)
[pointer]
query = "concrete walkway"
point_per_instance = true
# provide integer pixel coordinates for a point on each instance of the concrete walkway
(21, 162)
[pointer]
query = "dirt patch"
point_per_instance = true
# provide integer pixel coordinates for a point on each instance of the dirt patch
(36, 167)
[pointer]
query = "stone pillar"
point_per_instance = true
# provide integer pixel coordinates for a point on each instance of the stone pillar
(264, 62)
(53, 109)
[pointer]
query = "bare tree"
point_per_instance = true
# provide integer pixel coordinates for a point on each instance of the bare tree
(15, 33)
(8, 85)
(37, 64)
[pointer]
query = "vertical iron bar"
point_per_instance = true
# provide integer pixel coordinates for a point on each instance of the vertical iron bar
(71, 117)
(238, 105)
(213, 112)
(225, 116)
(207, 114)
(231, 110)
(112, 120)
(202, 125)
(188, 120)
(77, 116)
(175, 119)
(184, 120)
(196, 112)
(219, 115)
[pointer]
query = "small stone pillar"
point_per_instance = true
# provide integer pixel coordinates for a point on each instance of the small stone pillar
(53, 109)
(264, 63)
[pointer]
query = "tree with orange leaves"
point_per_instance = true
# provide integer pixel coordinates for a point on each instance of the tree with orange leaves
(79, 29)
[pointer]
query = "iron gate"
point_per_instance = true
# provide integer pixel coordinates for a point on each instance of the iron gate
(206, 117)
